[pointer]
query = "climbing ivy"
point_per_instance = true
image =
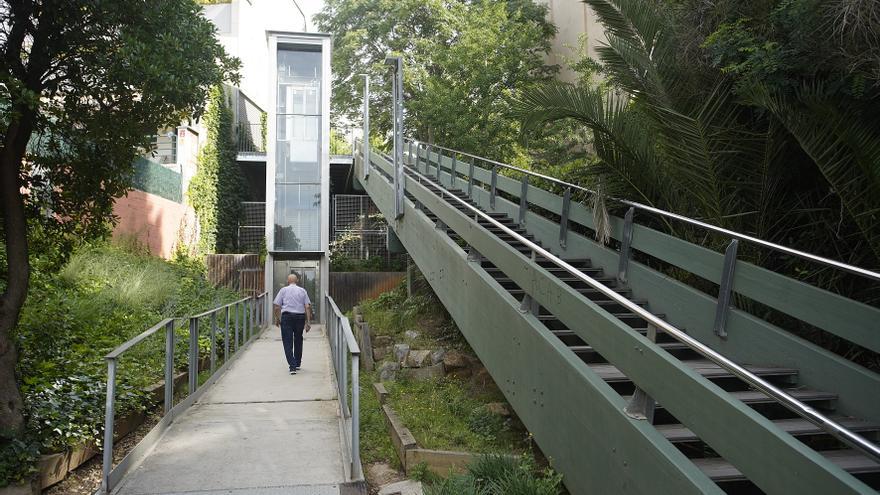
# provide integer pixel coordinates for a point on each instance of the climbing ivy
(218, 188)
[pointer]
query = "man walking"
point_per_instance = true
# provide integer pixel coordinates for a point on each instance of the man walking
(294, 310)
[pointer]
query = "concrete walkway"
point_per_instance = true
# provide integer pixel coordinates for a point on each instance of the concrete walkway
(258, 430)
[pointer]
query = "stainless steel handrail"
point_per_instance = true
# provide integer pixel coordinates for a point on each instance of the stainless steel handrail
(805, 411)
(252, 316)
(341, 340)
(675, 216)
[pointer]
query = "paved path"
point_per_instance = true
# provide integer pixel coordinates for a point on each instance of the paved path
(258, 430)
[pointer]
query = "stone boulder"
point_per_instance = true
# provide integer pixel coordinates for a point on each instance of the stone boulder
(400, 352)
(425, 373)
(380, 474)
(454, 360)
(418, 359)
(405, 487)
(388, 371)
(382, 341)
(412, 334)
(379, 353)
(437, 356)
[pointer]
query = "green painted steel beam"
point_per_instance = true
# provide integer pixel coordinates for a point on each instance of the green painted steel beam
(728, 425)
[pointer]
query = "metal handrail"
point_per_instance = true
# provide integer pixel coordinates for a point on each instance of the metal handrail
(863, 272)
(252, 316)
(803, 410)
(342, 345)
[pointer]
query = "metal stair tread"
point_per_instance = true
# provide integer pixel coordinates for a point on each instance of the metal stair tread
(708, 369)
(794, 426)
(669, 346)
(718, 469)
(757, 397)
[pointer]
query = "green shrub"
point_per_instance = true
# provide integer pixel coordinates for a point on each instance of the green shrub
(500, 475)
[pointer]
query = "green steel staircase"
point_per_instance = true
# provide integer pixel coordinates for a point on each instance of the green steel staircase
(613, 366)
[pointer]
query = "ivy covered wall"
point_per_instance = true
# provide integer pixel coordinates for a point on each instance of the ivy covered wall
(218, 188)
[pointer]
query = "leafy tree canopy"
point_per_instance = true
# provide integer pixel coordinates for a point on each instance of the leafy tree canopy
(462, 59)
(83, 86)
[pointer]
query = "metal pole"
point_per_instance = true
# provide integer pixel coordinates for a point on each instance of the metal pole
(563, 221)
(366, 125)
(471, 179)
(494, 187)
(226, 337)
(193, 354)
(108, 423)
(355, 418)
(169, 365)
(397, 93)
(452, 173)
(725, 289)
(523, 201)
(625, 242)
(213, 341)
(236, 326)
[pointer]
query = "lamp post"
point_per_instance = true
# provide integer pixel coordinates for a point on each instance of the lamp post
(397, 95)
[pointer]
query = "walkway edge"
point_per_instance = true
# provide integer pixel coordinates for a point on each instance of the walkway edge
(134, 458)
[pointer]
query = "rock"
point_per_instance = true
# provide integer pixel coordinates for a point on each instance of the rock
(388, 371)
(405, 487)
(382, 341)
(379, 353)
(437, 356)
(454, 360)
(425, 373)
(412, 334)
(380, 474)
(400, 352)
(417, 359)
(498, 408)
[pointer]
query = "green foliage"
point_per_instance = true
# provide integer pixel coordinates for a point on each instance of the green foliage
(102, 297)
(500, 475)
(98, 87)
(461, 60)
(218, 188)
(751, 115)
(375, 442)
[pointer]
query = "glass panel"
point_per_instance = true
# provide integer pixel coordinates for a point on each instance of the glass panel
(297, 217)
(307, 271)
(297, 150)
(299, 82)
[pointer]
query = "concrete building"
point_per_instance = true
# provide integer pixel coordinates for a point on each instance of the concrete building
(578, 26)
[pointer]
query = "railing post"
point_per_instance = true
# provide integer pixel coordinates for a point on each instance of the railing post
(344, 358)
(452, 172)
(725, 289)
(641, 406)
(236, 325)
(169, 365)
(625, 243)
(471, 179)
(523, 201)
(563, 221)
(109, 419)
(355, 418)
(193, 354)
(213, 341)
(226, 337)
(494, 186)
(366, 144)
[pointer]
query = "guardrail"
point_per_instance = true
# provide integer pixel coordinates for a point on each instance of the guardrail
(343, 346)
(241, 318)
(250, 138)
(801, 409)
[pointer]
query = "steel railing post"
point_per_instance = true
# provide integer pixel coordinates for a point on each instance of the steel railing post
(169, 365)
(355, 419)
(523, 201)
(226, 337)
(236, 326)
(193, 354)
(625, 244)
(452, 171)
(494, 187)
(366, 144)
(109, 420)
(725, 289)
(471, 179)
(213, 341)
(563, 221)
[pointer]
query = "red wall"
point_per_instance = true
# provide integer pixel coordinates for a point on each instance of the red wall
(158, 223)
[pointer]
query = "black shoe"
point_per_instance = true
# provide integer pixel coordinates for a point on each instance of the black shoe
(292, 371)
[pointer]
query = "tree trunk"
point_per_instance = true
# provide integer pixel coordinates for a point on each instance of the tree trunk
(18, 267)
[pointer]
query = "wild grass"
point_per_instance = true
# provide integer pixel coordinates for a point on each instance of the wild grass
(499, 475)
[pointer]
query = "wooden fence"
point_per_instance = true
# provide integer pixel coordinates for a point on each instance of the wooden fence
(241, 272)
(349, 288)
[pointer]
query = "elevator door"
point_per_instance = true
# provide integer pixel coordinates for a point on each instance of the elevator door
(308, 273)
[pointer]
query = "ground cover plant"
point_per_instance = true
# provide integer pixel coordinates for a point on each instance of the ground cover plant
(499, 475)
(101, 297)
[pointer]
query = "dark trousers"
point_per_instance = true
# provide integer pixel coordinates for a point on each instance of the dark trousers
(292, 325)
